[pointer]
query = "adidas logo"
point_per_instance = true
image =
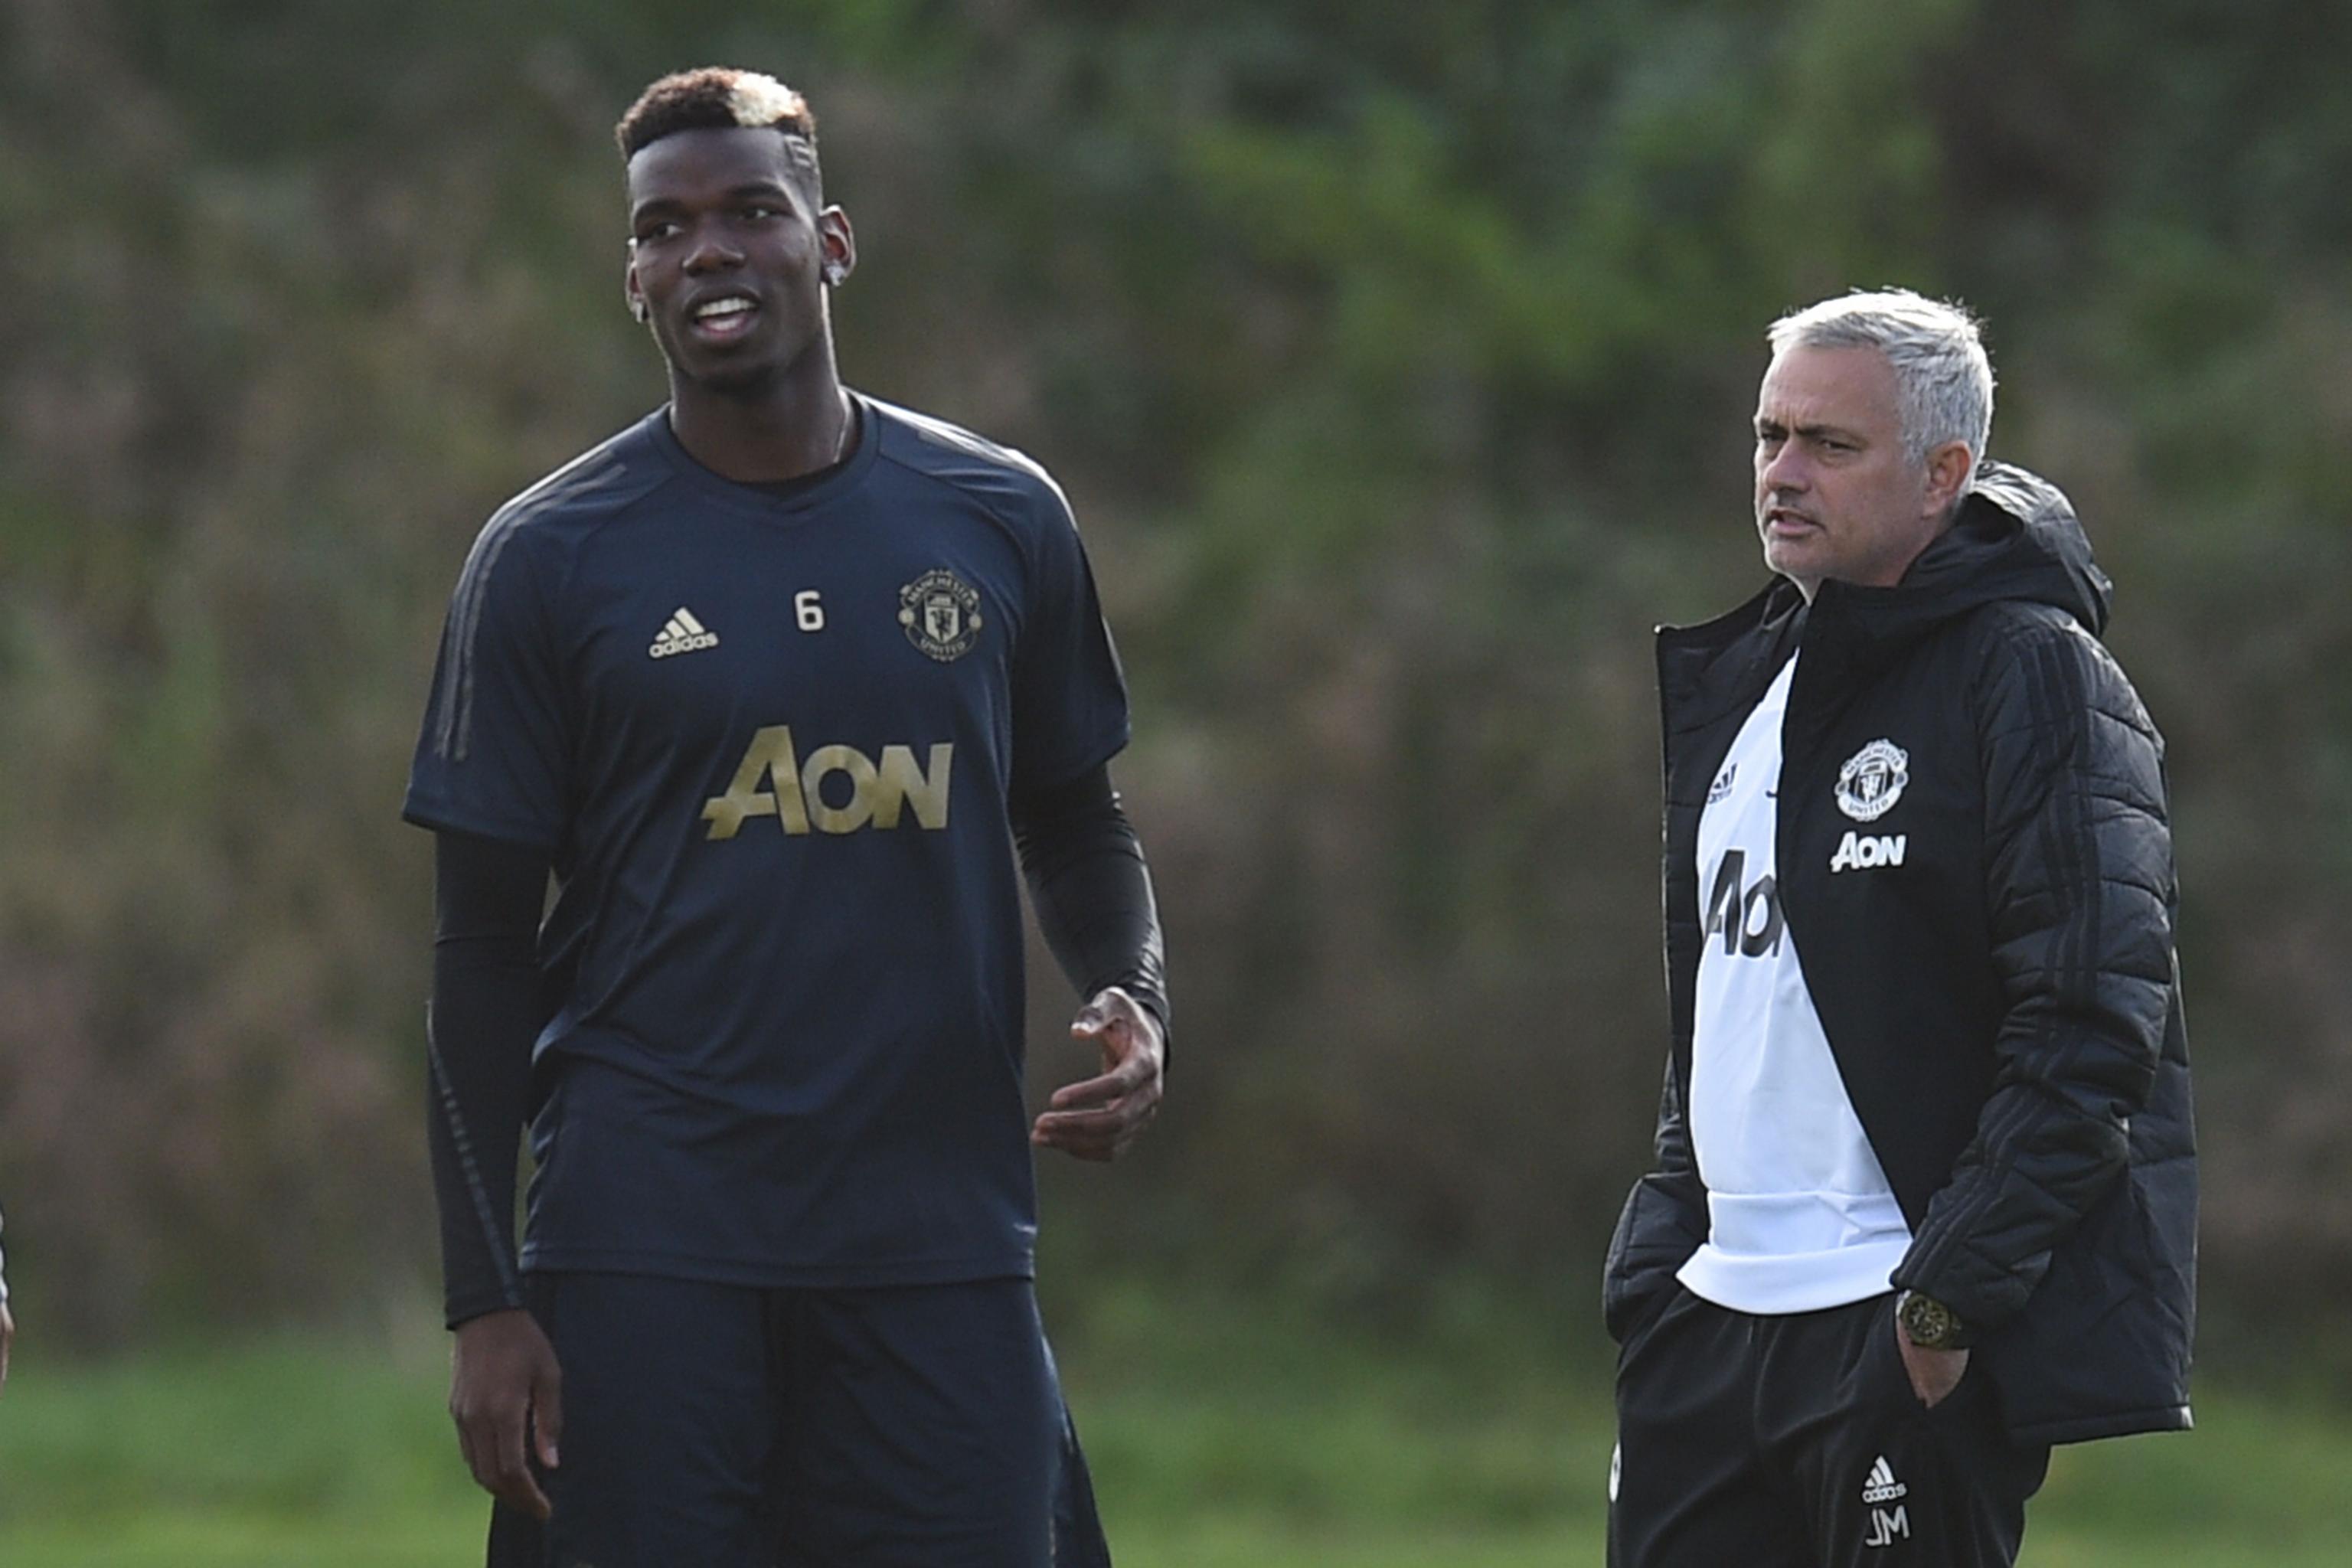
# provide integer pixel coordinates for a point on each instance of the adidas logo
(1881, 1485)
(682, 633)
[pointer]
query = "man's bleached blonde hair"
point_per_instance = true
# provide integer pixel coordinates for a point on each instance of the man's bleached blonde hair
(1943, 378)
(720, 98)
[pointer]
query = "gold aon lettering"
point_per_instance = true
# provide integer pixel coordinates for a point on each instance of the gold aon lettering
(773, 781)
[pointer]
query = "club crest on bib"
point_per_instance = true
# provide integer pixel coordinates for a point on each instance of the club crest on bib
(1873, 780)
(940, 613)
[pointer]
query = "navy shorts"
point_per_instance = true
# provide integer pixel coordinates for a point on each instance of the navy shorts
(724, 1426)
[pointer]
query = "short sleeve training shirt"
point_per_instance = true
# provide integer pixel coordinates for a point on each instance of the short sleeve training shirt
(767, 741)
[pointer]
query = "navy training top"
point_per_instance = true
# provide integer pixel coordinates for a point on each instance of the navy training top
(767, 741)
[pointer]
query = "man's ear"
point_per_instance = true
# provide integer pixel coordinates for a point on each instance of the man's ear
(837, 246)
(631, 295)
(1950, 467)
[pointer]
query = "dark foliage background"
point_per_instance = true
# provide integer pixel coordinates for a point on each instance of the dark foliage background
(1398, 359)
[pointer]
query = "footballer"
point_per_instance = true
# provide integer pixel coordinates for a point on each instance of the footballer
(782, 689)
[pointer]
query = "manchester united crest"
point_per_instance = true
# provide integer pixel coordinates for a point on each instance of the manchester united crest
(1873, 780)
(940, 613)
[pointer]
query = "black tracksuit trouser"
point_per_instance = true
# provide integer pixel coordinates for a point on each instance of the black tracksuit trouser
(1797, 1441)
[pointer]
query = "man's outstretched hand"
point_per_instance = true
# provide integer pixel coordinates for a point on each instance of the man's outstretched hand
(1098, 1118)
(505, 1389)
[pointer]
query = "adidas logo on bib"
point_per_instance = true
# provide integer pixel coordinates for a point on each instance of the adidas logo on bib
(682, 633)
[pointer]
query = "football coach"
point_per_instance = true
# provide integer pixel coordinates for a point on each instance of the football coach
(1925, 1191)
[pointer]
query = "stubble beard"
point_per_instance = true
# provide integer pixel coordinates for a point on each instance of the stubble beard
(1778, 556)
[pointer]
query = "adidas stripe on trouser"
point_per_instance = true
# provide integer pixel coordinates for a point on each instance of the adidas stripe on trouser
(1797, 1442)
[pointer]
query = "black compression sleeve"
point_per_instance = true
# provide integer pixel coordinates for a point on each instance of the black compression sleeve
(1092, 889)
(485, 1013)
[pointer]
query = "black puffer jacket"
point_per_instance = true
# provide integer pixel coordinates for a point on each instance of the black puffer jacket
(1990, 952)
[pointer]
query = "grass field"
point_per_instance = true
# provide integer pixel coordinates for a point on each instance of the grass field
(1221, 1438)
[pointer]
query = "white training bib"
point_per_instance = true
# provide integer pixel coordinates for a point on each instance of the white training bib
(1799, 1216)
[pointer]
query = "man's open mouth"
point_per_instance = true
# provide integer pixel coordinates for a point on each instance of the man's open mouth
(728, 316)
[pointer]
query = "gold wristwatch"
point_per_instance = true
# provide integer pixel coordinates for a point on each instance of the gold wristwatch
(1930, 1324)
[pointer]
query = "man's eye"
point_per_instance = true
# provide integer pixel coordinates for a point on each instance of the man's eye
(653, 231)
(761, 212)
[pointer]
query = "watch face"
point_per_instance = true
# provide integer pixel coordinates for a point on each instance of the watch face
(1928, 1322)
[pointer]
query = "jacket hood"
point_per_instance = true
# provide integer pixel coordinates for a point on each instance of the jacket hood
(2016, 540)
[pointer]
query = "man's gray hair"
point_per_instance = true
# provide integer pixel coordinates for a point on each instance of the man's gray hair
(1943, 381)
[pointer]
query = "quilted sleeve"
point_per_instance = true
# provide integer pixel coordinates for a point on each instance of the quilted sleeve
(2081, 893)
(1663, 1222)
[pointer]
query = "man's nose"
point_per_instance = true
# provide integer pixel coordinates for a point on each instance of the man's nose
(1785, 472)
(710, 251)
